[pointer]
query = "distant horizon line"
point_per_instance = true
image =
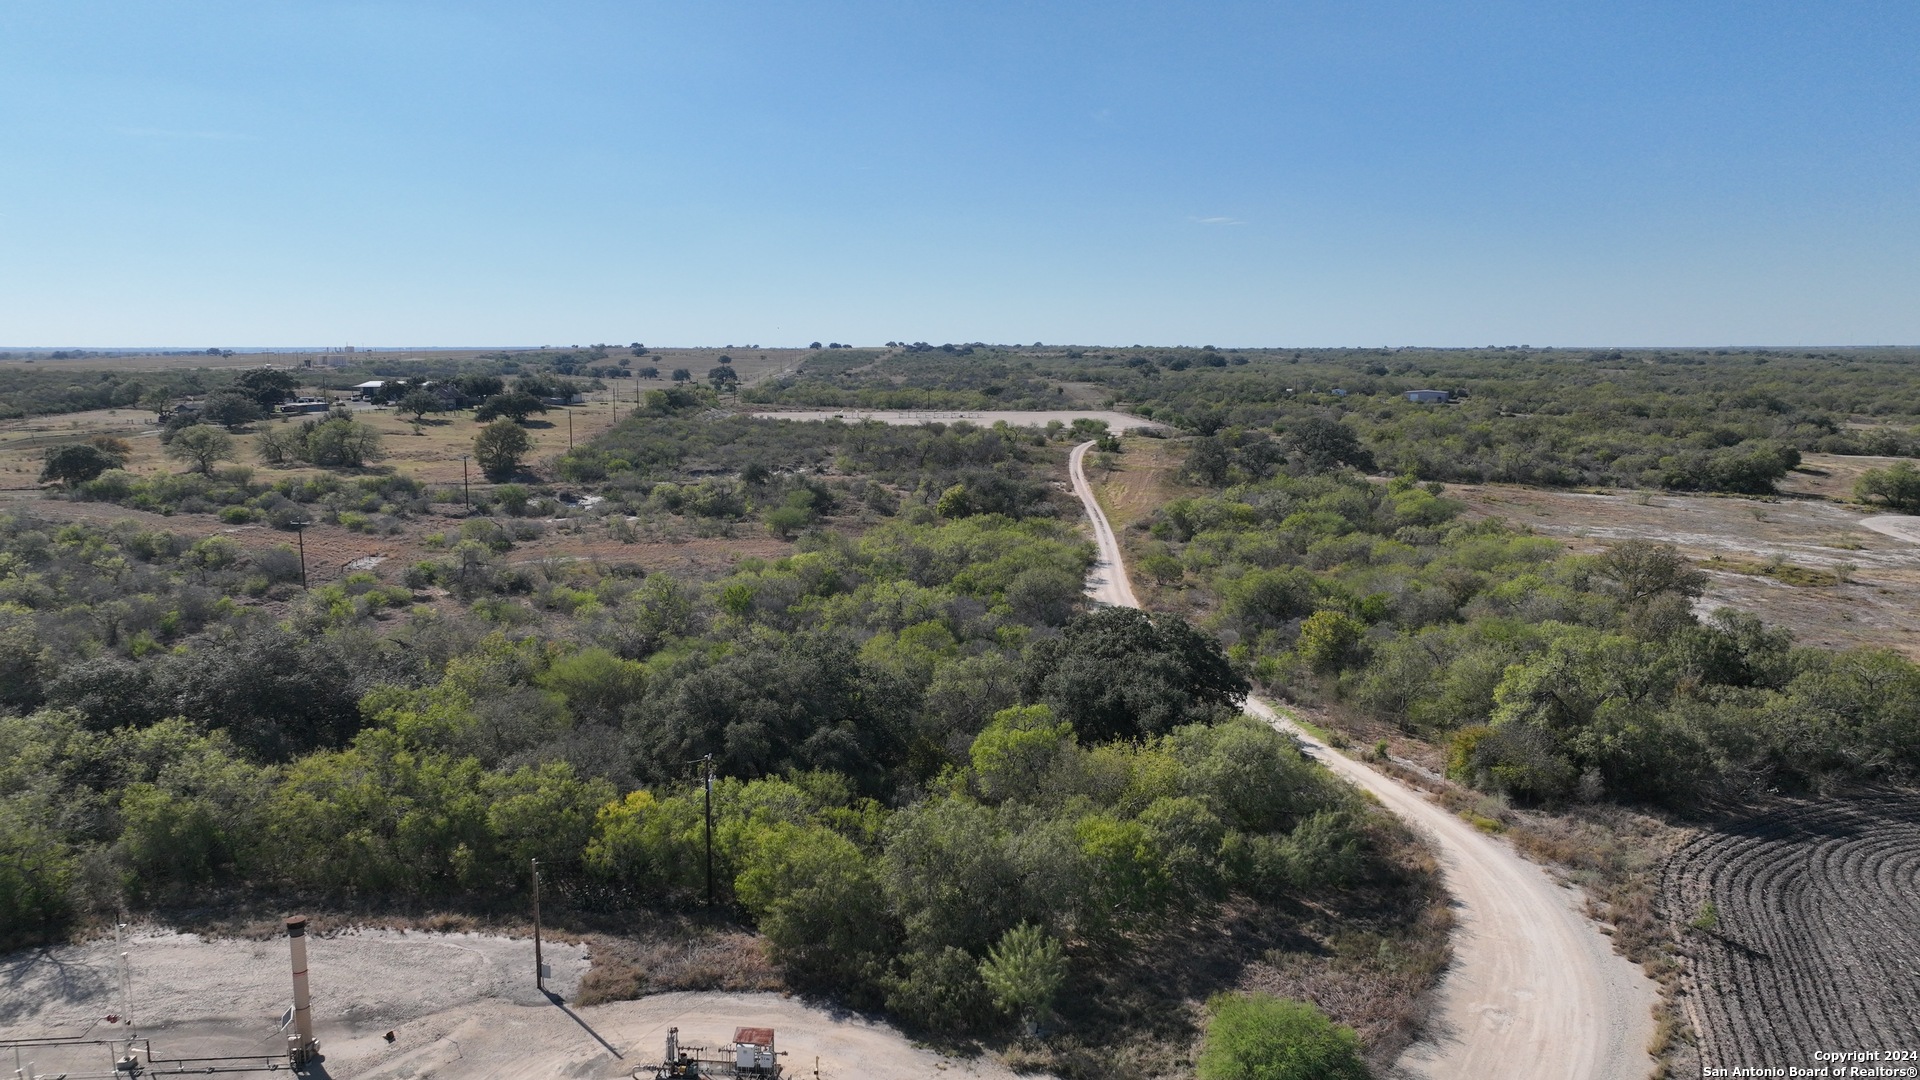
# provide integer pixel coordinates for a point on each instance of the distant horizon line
(337, 350)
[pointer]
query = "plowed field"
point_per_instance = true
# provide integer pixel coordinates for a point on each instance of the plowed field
(1816, 946)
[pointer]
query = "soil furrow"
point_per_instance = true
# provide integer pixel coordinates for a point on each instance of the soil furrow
(1818, 922)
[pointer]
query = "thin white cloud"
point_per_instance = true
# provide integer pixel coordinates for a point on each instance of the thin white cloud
(1218, 221)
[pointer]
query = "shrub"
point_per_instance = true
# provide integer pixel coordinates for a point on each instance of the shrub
(499, 448)
(1708, 919)
(1024, 972)
(784, 521)
(1163, 568)
(1262, 1037)
(940, 990)
(341, 442)
(200, 446)
(513, 498)
(75, 465)
(1897, 487)
(1331, 641)
(35, 867)
(818, 902)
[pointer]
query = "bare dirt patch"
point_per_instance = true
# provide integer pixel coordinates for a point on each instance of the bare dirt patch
(459, 1006)
(1830, 476)
(1874, 597)
(1810, 939)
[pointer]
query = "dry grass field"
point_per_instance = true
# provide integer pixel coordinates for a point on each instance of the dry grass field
(429, 452)
(1131, 485)
(1805, 563)
(24, 442)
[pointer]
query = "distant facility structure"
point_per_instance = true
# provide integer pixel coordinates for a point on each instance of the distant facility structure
(1429, 397)
(750, 1054)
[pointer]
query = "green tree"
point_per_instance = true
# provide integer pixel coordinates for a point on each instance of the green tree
(35, 868)
(159, 402)
(343, 443)
(1164, 568)
(1262, 1037)
(818, 902)
(1024, 972)
(266, 386)
(230, 409)
(1331, 641)
(420, 402)
(1640, 570)
(597, 684)
(200, 446)
(1127, 879)
(499, 448)
(784, 521)
(1323, 442)
(76, 464)
(1018, 751)
(515, 405)
(279, 445)
(1267, 599)
(1896, 487)
(1122, 673)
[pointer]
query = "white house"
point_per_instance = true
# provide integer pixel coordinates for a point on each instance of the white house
(366, 389)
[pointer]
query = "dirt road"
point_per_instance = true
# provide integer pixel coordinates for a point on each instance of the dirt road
(1535, 991)
(1898, 526)
(1108, 583)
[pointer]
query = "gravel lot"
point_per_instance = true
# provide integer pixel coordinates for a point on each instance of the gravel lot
(459, 1005)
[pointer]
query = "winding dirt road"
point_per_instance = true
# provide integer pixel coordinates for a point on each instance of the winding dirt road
(1536, 991)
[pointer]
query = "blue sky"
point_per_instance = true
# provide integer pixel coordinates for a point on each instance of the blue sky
(274, 173)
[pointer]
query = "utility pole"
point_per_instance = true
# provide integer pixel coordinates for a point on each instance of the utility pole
(466, 495)
(300, 531)
(709, 760)
(539, 966)
(569, 428)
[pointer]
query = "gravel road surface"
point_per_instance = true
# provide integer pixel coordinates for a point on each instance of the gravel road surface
(1535, 991)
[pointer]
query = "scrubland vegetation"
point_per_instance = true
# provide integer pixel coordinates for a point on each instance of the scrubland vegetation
(1551, 676)
(946, 788)
(1686, 420)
